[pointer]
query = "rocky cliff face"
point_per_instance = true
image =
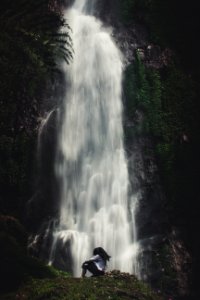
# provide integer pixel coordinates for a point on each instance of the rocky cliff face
(163, 258)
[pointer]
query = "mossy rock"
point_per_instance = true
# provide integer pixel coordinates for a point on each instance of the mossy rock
(113, 286)
(15, 264)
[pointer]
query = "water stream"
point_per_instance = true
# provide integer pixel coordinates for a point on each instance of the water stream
(91, 164)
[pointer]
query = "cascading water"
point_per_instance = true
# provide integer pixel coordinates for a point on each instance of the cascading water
(91, 164)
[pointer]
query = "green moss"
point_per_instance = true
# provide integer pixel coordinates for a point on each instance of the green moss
(167, 100)
(142, 91)
(115, 286)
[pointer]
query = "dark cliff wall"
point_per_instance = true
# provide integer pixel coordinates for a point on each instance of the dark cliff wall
(161, 92)
(161, 99)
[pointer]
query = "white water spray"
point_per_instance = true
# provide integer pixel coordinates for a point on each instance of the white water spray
(91, 163)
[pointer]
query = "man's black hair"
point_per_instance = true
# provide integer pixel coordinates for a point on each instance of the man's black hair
(100, 251)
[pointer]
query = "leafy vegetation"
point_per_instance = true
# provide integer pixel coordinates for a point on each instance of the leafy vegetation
(30, 49)
(168, 99)
(34, 38)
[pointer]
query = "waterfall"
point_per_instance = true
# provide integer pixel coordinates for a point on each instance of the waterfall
(91, 164)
